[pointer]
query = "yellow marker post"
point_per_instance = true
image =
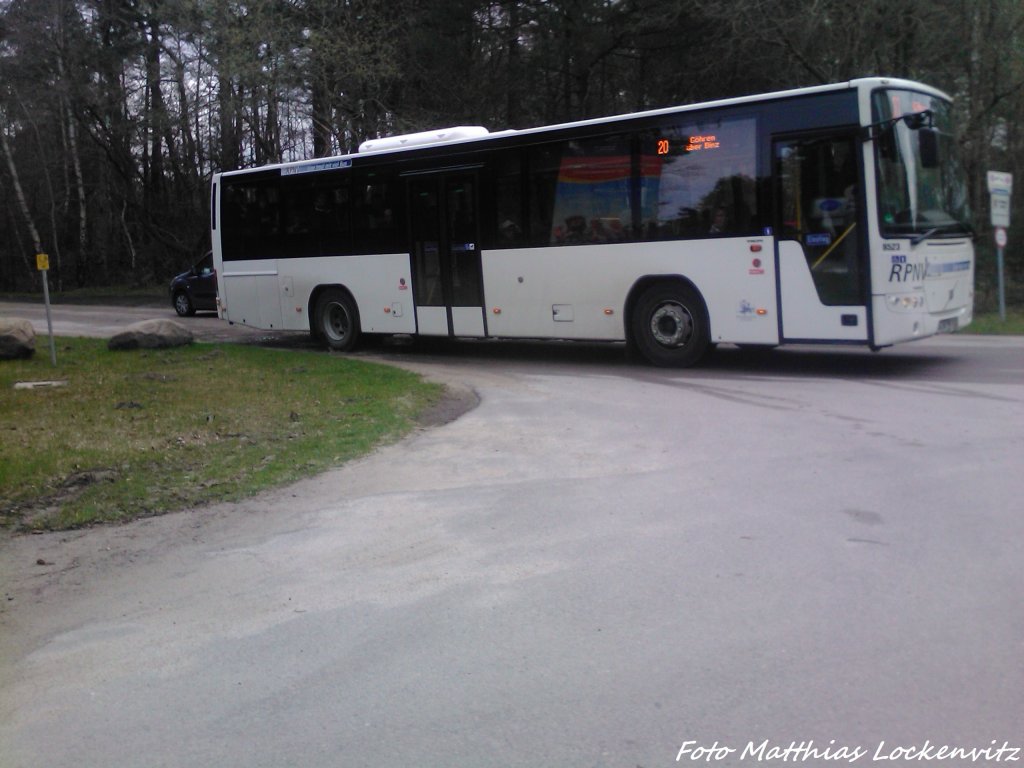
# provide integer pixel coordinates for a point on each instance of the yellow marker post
(43, 265)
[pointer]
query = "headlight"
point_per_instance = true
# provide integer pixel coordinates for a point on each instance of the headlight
(906, 302)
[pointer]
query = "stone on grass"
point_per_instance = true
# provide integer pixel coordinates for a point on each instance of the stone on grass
(17, 338)
(151, 334)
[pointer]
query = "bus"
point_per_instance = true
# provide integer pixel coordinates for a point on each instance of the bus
(833, 214)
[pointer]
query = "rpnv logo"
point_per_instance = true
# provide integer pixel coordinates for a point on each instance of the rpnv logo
(902, 272)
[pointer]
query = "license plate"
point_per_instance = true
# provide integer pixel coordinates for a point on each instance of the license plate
(949, 325)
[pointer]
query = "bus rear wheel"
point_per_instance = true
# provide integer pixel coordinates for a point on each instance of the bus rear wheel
(670, 325)
(337, 320)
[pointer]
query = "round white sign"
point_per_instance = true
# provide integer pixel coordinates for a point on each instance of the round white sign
(1001, 237)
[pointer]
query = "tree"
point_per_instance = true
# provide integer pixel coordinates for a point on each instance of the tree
(115, 113)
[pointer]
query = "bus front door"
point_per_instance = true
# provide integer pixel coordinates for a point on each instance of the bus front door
(446, 270)
(821, 239)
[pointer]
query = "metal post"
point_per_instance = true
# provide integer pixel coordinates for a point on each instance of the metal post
(43, 265)
(1002, 287)
(1000, 185)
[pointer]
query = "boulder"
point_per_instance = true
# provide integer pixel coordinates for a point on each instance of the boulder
(17, 338)
(151, 334)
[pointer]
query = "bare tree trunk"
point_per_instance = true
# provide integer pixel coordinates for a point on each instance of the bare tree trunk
(76, 165)
(230, 130)
(19, 194)
(321, 113)
(20, 245)
(513, 101)
(54, 235)
(83, 208)
(156, 116)
(188, 162)
(128, 236)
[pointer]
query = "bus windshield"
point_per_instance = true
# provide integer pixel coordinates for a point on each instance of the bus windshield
(915, 198)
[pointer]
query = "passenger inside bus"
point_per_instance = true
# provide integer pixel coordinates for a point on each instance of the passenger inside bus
(719, 222)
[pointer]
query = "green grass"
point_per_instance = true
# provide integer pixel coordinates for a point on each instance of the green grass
(989, 323)
(144, 432)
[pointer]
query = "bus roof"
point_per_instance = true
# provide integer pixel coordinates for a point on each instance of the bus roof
(459, 136)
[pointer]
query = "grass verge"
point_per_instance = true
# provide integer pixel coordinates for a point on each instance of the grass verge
(988, 323)
(138, 433)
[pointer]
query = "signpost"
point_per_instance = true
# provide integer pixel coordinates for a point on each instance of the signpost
(43, 265)
(1000, 185)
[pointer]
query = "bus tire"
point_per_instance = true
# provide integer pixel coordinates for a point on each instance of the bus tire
(336, 320)
(670, 325)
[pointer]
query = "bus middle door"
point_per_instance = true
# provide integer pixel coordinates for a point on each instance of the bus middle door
(446, 269)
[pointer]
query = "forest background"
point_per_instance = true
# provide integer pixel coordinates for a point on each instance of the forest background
(114, 114)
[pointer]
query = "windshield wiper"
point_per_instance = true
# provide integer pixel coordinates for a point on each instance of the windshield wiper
(916, 239)
(950, 230)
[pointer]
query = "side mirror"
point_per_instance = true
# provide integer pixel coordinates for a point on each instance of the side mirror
(928, 145)
(918, 120)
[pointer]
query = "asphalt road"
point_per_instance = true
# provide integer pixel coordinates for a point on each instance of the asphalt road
(600, 565)
(104, 321)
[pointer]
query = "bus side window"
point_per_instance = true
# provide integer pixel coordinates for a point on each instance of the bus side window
(375, 216)
(542, 182)
(698, 180)
(508, 229)
(232, 221)
(252, 220)
(331, 211)
(298, 219)
(580, 191)
(593, 195)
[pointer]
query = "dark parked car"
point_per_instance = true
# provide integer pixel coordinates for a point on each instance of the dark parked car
(195, 289)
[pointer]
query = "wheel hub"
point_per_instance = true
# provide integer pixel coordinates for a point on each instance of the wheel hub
(337, 325)
(671, 325)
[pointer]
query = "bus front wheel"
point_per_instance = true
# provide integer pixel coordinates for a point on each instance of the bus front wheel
(337, 320)
(670, 325)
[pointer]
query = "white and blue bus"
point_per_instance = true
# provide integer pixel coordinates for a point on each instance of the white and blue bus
(832, 214)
